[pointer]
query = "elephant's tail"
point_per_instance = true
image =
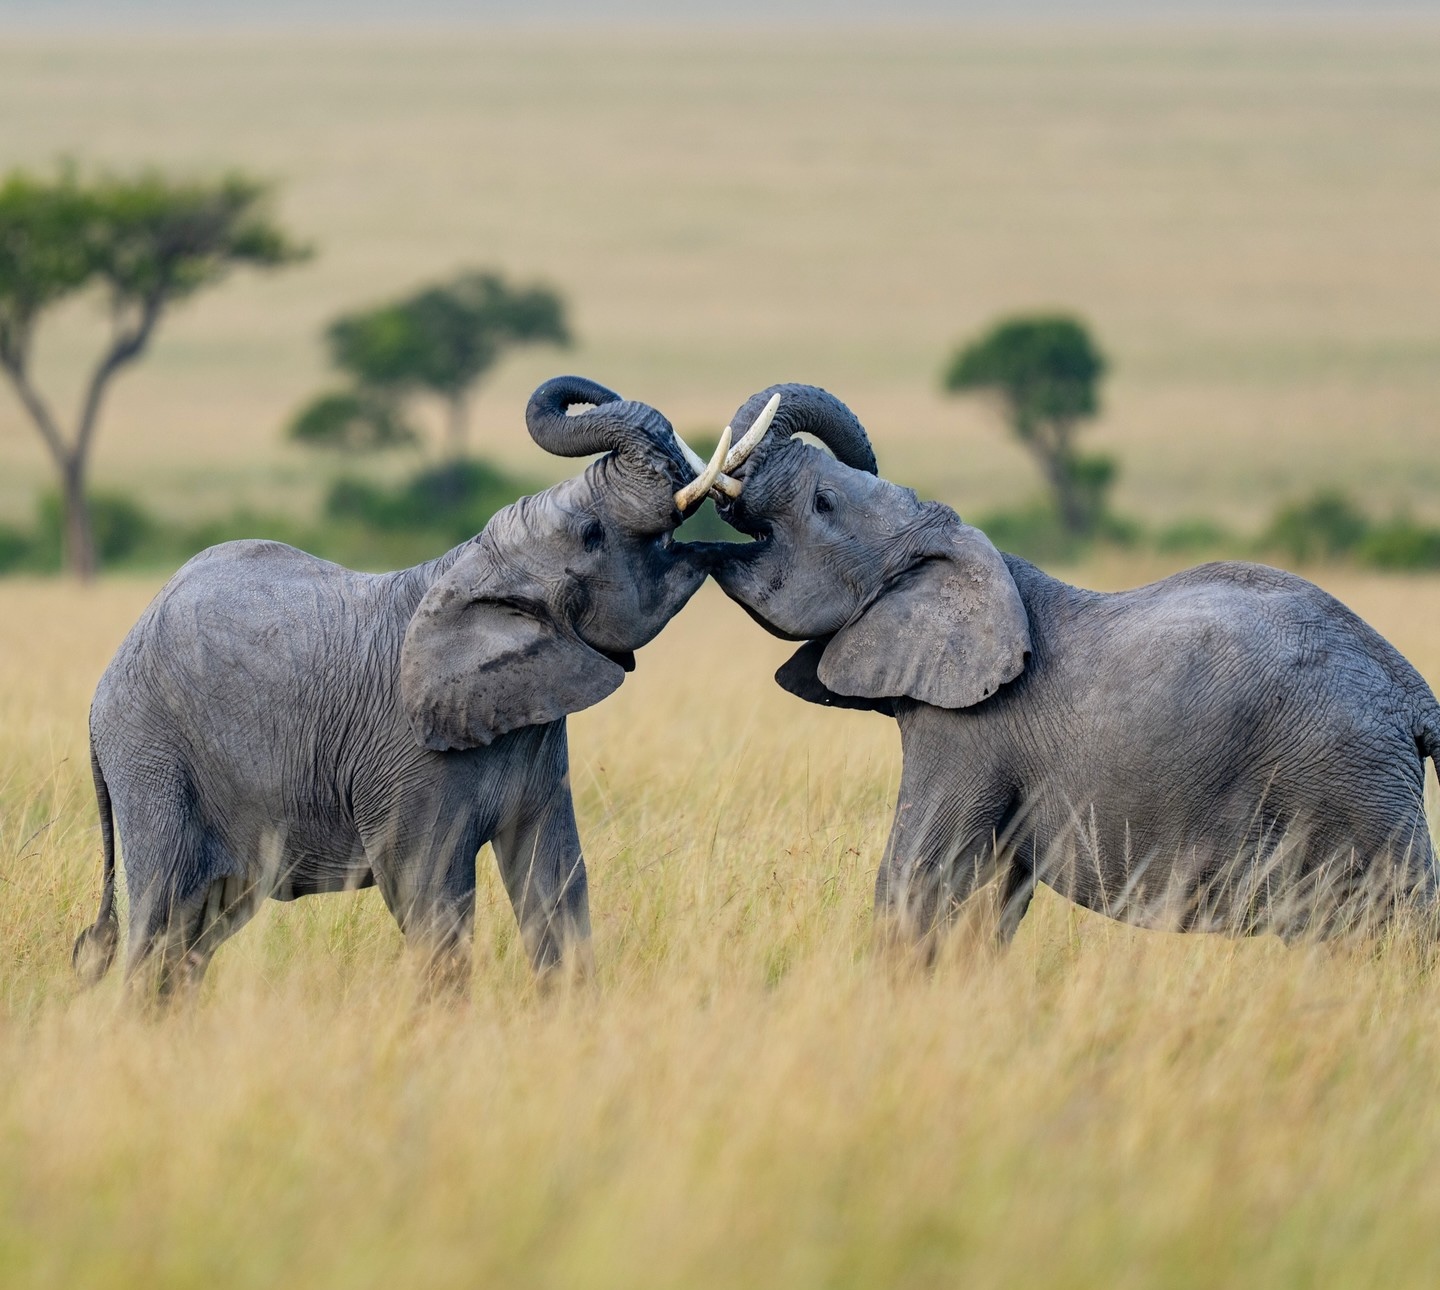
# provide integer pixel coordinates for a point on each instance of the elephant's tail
(1429, 736)
(95, 948)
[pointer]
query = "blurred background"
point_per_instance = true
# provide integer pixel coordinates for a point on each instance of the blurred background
(1208, 235)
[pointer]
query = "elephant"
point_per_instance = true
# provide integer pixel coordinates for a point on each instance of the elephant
(275, 725)
(1228, 749)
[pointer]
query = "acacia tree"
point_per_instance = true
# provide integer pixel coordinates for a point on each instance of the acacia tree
(145, 242)
(439, 341)
(1045, 370)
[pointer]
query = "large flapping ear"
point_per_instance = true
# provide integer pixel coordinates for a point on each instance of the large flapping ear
(799, 674)
(474, 667)
(949, 631)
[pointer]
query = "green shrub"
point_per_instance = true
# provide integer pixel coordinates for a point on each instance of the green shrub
(1194, 536)
(120, 528)
(16, 549)
(454, 500)
(1034, 532)
(1324, 526)
(1037, 532)
(1401, 543)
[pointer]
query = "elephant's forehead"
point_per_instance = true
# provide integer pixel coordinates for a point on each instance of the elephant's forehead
(796, 471)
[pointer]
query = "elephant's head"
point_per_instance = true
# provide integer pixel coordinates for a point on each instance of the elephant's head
(895, 597)
(539, 615)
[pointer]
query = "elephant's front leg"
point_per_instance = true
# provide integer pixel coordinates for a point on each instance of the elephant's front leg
(947, 840)
(544, 873)
(423, 860)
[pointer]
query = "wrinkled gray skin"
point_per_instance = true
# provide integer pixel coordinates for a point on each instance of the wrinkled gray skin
(1227, 749)
(276, 726)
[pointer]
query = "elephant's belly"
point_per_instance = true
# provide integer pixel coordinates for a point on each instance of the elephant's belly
(312, 875)
(1250, 870)
(288, 852)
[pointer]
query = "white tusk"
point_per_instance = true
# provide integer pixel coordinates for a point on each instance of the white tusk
(698, 487)
(697, 462)
(732, 488)
(757, 430)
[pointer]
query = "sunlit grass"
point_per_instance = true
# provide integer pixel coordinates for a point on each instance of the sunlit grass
(747, 1095)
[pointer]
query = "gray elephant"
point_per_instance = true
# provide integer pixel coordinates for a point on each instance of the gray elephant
(276, 725)
(1226, 749)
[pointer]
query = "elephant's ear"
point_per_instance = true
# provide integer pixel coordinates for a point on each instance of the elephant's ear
(949, 631)
(800, 675)
(473, 668)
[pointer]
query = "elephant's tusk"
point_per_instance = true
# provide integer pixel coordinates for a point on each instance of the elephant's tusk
(698, 487)
(746, 446)
(723, 483)
(697, 462)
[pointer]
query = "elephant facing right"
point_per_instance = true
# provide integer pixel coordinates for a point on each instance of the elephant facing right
(1229, 749)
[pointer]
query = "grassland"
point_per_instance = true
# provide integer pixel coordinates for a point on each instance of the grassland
(1247, 216)
(747, 1097)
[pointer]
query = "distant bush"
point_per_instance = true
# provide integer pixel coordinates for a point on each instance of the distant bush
(119, 527)
(1191, 537)
(15, 548)
(1037, 532)
(363, 524)
(1400, 543)
(1331, 526)
(454, 500)
(1325, 526)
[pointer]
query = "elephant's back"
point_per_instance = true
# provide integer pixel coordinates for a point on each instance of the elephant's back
(1225, 637)
(246, 631)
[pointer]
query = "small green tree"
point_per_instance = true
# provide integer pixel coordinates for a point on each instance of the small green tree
(146, 242)
(351, 421)
(1046, 371)
(443, 339)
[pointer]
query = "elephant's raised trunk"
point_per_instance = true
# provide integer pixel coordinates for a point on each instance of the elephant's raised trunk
(812, 410)
(613, 423)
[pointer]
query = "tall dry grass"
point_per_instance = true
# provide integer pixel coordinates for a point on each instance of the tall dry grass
(746, 1096)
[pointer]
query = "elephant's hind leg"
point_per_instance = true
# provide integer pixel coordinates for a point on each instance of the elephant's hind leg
(174, 935)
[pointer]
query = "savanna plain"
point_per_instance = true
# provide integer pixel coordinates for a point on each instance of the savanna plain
(748, 1094)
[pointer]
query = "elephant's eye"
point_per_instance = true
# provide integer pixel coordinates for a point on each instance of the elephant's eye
(593, 535)
(824, 502)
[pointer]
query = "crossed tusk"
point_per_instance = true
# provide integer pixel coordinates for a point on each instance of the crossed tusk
(705, 480)
(734, 458)
(746, 446)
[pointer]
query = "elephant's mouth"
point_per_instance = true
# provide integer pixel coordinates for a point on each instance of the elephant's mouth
(624, 658)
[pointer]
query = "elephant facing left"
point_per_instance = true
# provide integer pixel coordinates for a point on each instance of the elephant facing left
(278, 726)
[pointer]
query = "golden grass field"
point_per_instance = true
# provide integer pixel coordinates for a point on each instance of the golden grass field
(747, 1096)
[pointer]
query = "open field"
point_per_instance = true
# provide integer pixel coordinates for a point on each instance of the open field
(1247, 215)
(747, 1097)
